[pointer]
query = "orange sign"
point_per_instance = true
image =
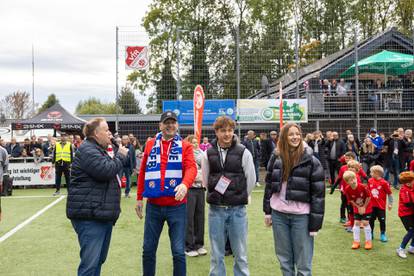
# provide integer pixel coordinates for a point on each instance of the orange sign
(199, 100)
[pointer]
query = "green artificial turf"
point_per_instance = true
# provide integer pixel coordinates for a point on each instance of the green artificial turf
(49, 246)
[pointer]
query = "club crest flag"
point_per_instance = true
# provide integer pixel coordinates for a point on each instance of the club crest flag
(199, 100)
(136, 57)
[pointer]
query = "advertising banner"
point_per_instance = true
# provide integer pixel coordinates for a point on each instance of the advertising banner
(212, 109)
(30, 173)
(268, 110)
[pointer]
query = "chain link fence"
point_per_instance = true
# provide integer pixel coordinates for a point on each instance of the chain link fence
(245, 64)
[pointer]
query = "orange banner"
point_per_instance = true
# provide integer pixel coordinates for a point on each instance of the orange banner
(198, 111)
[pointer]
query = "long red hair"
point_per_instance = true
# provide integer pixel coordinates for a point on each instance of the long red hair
(290, 156)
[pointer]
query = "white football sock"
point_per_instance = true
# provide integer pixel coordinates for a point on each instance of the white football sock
(356, 232)
(368, 233)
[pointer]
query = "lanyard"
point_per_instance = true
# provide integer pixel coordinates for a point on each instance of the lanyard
(168, 150)
(222, 161)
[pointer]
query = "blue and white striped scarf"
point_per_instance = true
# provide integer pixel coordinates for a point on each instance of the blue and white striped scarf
(173, 172)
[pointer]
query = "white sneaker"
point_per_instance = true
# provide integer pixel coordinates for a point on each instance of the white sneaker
(192, 253)
(401, 253)
(411, 249)
(258, 184)
(202, 251)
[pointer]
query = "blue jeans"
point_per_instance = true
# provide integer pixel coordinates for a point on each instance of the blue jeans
(127, 172)
(293, 244)
(232, 222)
(396, 168)
(94, 238)
(176, 219)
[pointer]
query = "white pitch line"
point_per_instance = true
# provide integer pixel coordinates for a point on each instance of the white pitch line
(29, 220)
(17, 197)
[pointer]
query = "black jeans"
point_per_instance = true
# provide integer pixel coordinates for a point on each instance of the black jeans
(195, 219)
(380, 214)
(334, 166)
(59, 169)
(344, 203)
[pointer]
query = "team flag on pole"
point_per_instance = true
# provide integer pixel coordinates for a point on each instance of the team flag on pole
(280, 106)
(136, 57)
(198, 111)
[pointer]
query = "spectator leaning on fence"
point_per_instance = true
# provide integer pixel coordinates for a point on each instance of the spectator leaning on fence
(62, 159)
(94, 196)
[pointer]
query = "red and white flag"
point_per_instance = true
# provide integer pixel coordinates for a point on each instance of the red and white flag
(136, 57)
(199, 100)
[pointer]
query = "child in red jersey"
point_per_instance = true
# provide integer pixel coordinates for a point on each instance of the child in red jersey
(359, 197)
(379, 189)
(355, 167)
(406, 212)
(339, 181)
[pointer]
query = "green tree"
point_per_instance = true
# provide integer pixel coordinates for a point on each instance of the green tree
(50, 101)
(95, 106)
(165, 87)
(127, 102)
(405, 14)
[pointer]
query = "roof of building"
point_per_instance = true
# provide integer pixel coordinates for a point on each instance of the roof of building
(333, 65)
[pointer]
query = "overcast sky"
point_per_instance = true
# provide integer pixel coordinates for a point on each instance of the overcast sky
(74, 46)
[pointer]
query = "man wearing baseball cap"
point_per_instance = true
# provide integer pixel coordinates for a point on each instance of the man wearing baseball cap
(376, 139)
(167, 172)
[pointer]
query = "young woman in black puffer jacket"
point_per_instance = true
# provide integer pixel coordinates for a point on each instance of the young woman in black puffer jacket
(294, 201)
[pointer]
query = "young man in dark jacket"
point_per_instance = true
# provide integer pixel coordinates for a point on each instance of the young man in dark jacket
(267, 147)
(254, 147)
(394, 157)
(93, 203)
(228, 174)
(336, 148)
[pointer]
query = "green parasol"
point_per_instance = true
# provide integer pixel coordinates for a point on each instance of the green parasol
(385, 62)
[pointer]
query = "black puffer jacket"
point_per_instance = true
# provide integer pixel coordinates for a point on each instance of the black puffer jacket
(305, 184)
(94, 192)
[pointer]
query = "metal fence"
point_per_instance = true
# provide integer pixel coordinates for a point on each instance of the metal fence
(246, 63)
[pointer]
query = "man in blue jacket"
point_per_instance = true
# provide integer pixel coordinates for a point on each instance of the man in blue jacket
(94, 196)
(376, 139)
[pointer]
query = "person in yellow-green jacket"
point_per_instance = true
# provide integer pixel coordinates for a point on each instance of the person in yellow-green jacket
(62, 158)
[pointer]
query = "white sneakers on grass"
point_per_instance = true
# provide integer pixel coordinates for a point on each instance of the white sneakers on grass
(202, 251)
(194, 253)
(191, 253)
(401, 253)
